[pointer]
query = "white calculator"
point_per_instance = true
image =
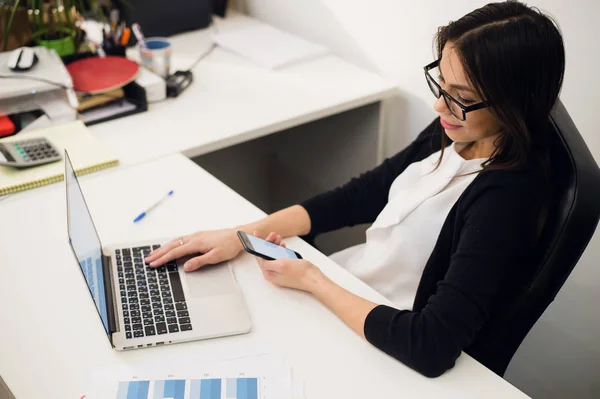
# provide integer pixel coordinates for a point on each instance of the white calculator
(27, 153)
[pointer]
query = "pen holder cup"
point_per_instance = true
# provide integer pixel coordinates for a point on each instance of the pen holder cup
(115, 50)
(156, 55)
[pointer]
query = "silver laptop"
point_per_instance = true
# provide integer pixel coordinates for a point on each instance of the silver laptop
(140, 306)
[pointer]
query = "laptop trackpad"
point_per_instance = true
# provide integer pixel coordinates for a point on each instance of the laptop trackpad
(209, 280)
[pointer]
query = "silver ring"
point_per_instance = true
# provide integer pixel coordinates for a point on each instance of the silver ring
(180, 240)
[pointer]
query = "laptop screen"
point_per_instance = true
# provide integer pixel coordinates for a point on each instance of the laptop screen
(85, 241)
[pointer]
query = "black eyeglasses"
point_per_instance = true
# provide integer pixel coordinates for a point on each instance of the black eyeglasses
(459, 110)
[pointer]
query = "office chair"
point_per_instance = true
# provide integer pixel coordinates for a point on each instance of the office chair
(570, 222)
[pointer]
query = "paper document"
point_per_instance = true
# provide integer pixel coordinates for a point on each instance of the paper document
(267, 46)
(256, 377)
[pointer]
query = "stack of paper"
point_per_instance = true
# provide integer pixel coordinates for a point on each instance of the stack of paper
(267, 46)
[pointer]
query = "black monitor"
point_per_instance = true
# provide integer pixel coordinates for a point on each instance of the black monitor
(160, 18)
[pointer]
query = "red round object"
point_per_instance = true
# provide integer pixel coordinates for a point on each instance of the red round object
(102, 74)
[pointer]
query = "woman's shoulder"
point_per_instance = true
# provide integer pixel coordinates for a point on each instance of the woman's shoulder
(526, 184)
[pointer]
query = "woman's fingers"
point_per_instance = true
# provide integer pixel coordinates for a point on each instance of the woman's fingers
(274, 266)
(175, 253)
(157, 253)
(274, 238)
(209, 258)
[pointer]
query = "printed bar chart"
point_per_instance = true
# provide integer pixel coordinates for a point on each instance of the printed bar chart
(169, 389)
(209, 388)
(133, 390)
(246, 388)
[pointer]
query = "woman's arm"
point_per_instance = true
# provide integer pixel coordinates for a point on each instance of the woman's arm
(291, 221)
(351, 309)
(212, 247)
(492, 249)
(303, 275)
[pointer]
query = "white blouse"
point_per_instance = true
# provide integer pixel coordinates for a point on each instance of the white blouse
(401, 239)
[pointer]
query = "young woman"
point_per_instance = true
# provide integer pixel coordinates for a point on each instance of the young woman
(453, 215)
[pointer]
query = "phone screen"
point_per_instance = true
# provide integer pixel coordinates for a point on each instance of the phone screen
(272, 250)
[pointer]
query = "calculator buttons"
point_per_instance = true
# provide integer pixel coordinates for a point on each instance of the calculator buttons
(30, 152)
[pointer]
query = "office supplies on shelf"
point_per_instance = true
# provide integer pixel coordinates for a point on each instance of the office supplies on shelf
(156, 56)
(109, 111)
(94, 75)
(7, 126)
(22, 59)
(124, 38)
(178, 82)
(109, 87)
(31, 91)
(268, 46)
(114, 20)
(88, 155)
(137, 31)
(87, 101)
(133, 102)
(152, 207)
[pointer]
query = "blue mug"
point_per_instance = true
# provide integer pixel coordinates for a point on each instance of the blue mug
(156, 55)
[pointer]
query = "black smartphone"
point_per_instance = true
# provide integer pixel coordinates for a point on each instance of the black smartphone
(265, 249)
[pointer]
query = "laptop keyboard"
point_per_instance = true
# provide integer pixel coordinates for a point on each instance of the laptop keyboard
(152, 299)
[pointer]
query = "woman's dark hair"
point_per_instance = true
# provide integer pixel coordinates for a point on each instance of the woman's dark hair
(514, 57)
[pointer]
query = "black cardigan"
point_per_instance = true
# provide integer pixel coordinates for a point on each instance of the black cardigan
(479, 263)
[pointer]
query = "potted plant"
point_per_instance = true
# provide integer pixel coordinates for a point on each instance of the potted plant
(53, 24)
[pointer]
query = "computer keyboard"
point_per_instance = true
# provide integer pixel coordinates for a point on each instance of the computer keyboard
(152, 299)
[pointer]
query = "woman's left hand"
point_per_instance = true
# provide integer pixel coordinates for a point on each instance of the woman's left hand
(303, 275)
(299, 274)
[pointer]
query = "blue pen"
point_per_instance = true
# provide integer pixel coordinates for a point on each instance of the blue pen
(157, 203)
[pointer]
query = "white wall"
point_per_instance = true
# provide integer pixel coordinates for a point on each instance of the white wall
(561, 356)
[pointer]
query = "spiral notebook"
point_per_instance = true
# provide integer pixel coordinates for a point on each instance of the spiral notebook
(87, 154)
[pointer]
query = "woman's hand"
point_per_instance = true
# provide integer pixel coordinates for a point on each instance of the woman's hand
(213, 246)
(299, 274)
(303, 275)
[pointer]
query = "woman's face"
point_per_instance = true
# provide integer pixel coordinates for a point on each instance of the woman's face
(480, 124)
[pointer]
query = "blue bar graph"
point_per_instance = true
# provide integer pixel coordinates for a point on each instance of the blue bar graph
(210, 389)
(133, 390)
(247, 388)
(174, 389)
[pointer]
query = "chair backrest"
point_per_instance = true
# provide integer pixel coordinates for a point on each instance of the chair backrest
(570, 222)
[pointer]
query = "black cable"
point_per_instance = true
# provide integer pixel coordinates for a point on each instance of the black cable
(213, 26)
(202, 56)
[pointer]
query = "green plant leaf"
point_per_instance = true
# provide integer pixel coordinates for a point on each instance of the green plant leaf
(59, 17)
(5, 38)
(8, 23)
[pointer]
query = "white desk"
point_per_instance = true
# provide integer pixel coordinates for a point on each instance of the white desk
(232, 100)
(51, 337)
